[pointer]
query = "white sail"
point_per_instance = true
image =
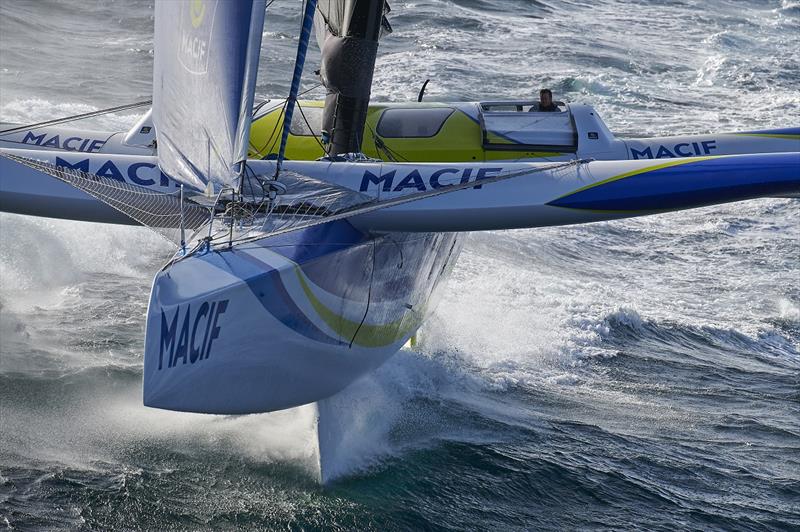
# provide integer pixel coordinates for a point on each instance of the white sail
(204, 74)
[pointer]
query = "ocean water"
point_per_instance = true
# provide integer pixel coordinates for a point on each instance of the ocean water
(634, 374)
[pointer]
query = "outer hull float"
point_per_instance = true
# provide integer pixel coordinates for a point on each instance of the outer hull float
(589, 192)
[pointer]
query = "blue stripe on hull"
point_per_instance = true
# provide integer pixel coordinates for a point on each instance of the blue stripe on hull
(782, 131)
(281, 339)
(324, 245)
(308, 244)
(273, 296)
(694, 184)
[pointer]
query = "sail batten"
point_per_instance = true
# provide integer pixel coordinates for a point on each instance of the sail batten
(204, 74)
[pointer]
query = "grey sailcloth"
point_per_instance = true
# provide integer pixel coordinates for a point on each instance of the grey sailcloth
(204, 74)
(348, 32)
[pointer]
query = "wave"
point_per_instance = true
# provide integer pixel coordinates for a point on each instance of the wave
(639, 371)
(32, 110)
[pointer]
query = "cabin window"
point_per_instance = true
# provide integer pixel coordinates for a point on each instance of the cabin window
(405, 123)
(299, 127)
(519, 129)
(517, 106)
(504, 108)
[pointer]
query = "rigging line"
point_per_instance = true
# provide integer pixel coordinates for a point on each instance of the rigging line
(377, 142)
(264, 146)
(282, 116)
(257, 151)
(318, 85)
(272, 136)
(248, 175)
(393, 152)
(299, 108)
(375, 204)
(381, 145)
(78, 117)
(381, 148)
(302, 47)
(279, 131)
(389, 153)
(369, 296)
(257, 107)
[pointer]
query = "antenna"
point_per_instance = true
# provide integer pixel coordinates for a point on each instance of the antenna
(422, 90)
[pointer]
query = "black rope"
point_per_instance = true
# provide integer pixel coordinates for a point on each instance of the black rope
(282, 117)
(369, 296)
(311, 129)
(272, 139)
(380, 146)
(258, 150)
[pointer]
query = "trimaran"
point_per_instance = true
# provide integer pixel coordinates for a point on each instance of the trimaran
(294, 278)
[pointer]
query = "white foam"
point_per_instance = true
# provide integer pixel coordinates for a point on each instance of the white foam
(32, 110)
(513, 316)
(105, 426)
(40, 257)
(788, 310)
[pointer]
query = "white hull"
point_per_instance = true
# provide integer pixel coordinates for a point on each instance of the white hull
(285, 321)
(599, 190)
(116, 154)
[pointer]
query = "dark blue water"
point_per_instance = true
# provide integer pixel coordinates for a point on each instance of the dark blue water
(635, 374)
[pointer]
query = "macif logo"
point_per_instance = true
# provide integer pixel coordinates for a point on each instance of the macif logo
(420, 181)
(195, 36)
(197, 10)
(187, 335)
(682, 149)
(67, 144)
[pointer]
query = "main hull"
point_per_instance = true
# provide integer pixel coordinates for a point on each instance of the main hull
(287, 320)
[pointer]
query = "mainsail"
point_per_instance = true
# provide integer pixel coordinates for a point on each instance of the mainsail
(204, 74)
(347, 33)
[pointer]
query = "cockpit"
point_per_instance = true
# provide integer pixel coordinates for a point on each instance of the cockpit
(519, 124)
(531, 106)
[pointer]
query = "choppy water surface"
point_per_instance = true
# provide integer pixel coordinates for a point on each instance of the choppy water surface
(636, 373)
